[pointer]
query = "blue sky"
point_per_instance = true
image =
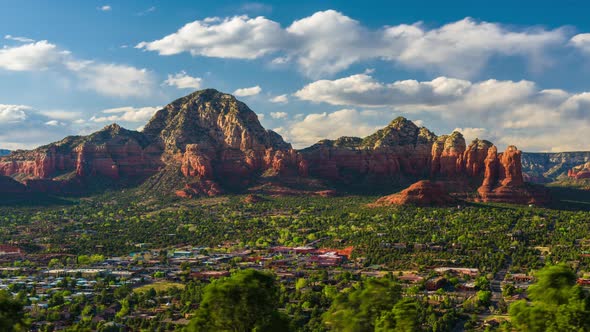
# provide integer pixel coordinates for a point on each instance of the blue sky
(514, 72)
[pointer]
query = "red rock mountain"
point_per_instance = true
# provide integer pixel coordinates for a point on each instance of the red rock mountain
(208, 142)
(580, 172)
(422, 193)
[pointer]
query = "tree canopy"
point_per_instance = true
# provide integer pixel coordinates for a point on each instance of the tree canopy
(557, 303)
(246, 301)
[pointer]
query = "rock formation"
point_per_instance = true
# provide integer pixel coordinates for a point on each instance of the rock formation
(112, 152)
(421, 193)
(395, 152)
(550, 167)
(580, 172)
(208, 143)
(503, 180)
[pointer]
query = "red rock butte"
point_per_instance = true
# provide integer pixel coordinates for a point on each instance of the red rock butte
(421, 193)
(208, 143)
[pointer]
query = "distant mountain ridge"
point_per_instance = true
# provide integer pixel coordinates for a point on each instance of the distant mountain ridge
(208, 142)
(540, 167)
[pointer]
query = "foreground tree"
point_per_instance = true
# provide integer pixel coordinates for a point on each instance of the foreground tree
(246, 301)
(372, 306)
(557, 303)
(11, 313)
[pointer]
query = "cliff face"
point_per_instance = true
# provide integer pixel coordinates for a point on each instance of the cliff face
(208, 142)
(218, 139)
(549, 167)
(504, 182)
(112, 152)
(209, 137)
(580, 172)
(398, 151)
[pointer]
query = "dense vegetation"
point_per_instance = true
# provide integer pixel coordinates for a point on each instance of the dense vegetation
(492, 238)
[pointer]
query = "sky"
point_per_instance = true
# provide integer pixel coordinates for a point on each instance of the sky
(513, 72)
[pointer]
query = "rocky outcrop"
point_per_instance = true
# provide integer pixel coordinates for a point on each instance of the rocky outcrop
(503, 180)
(580, 172)
(209, 142)
(421, 193)
(113, 152)
(400, 150)
(217, 138)
(549, 167)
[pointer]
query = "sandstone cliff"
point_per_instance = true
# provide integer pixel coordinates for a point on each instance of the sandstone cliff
(208, 143)
(549, 167)
(421, 193)
(580, 172)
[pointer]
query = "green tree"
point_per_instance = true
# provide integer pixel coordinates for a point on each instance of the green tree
(11, 313)
(246, 301)
(358, 309)
(557, 303)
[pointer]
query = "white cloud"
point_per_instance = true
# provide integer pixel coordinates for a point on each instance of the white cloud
(363, 90)
(126, 114)
(54, 123)
(238, 37)
(105, 8)
(108, 79)
(281, 99)
(279, 115)
(505, 112)
(114, 79)
(245, 92)
(318, 126)
(183, 81)
(328, 42)
(22, 126)
(60, 114)
(19, 39)
(581, 41)
(13, 113)
(40, 55)
(472, 133)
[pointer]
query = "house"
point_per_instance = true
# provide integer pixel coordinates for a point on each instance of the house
(9, 250)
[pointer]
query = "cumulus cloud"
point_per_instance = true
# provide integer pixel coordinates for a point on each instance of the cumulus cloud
(245, 92)
(238, 37)
(39, 55)
(328, 42)
(506, 112)
(108, 79)
(281, 99)
(114, 79)
(13, 113)
(279, 115)
(183, 81)
(582, 42)
(363, 90)
(22, 126)
(105, 8)
(314, 127)
(126, 114)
